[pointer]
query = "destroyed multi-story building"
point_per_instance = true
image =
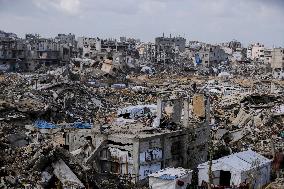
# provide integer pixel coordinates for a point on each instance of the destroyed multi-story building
(13, 52)
(147, 52)
(211, 55)
(168, 48)
(120, 52)
(88, 47)
(33, 51)
(277, 62)
(68, 46)
(66, 38)
(267, 56)
(232, 45)
(256, 52)
(235, 51)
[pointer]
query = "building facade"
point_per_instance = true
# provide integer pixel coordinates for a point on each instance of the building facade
(256, 52)
(277, 63)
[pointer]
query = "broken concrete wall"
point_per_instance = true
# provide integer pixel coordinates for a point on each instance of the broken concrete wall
(171, 108)
(75, 139)
(198, 103)
(242, 118)
(150, 157)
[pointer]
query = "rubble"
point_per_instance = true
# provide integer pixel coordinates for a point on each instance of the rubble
(115, 112)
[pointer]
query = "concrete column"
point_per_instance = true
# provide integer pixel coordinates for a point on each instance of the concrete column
(177, 109)
(186, 113)
(136, 159)
(163, 144)
(159, 108)
(207, 110)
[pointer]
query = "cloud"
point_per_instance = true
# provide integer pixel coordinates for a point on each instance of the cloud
(71, 7)
(205, 20)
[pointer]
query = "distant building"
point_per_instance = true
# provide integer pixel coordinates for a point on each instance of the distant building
(267, 56)
(233, 45)
(147, 52)
(256, 52)
(122, 39)
(178, 42)
(211, 55)
(88, 46)
(28, 54)
(277, 63)
(167, 48)
(7, 35)
(66, 39)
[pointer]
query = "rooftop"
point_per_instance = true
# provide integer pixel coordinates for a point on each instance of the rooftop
(241, 161)
(171, 173)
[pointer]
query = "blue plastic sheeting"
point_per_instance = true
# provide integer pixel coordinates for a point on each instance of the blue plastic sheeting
(167, 177)
(41, 124)
(198, 60)
(80, 125)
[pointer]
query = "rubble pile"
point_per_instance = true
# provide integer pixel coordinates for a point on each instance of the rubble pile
(252, 121)
(278, 184)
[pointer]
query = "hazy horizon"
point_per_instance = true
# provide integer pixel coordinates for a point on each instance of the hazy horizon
(202, 20)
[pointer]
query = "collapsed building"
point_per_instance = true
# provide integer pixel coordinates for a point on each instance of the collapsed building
(168, 48)
(136, 149)
(33, 52)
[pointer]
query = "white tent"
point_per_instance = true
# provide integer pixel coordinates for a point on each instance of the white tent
(237, 168)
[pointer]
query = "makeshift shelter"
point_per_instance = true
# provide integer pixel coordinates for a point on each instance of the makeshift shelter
(232, 170)
(170, 178)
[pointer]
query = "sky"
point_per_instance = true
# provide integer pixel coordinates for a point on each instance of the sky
(212, 21)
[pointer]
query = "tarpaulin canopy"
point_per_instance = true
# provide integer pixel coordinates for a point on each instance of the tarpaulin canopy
(41, 124)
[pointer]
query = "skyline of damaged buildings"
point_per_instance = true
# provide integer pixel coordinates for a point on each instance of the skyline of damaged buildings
(34, 51)
(88, 112)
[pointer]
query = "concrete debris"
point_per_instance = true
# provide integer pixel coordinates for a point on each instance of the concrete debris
(115, 114)
(66, 176)
(278, 184)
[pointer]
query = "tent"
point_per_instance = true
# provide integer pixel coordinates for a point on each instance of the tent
(236, 169)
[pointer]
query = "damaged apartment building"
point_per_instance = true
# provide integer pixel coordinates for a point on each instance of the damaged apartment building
(175, 136)
(277, 63)
(210, 55)
(235, 51)
(113, 55)
(167, 49)
(90, 47)
(33, 52)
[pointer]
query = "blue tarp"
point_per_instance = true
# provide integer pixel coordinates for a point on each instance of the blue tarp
(80, 125)
(41, 124)
(198, 59)
(167, 177)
